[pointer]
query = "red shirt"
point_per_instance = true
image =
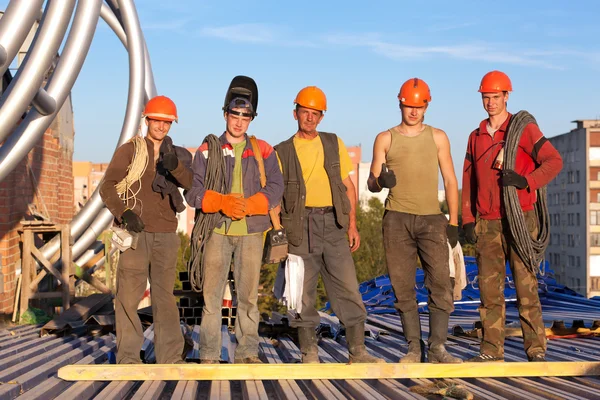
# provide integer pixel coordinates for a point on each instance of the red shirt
(537, 160)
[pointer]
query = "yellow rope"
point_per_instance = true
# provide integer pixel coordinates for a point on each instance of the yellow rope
(134, 173)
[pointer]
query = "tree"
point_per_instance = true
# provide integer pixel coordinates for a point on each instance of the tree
(183, 255)
(369, 259)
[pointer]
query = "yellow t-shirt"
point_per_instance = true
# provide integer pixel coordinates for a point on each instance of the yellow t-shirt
(312, 159)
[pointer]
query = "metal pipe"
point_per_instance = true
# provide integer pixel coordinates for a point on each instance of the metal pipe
(92, 220)
(15, 25)
(30, 76)
(135, 104)
(59, 86)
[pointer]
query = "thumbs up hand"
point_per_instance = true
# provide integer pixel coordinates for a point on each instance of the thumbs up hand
(386, 178)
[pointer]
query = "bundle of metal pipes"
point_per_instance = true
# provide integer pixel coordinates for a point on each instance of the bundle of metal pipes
(26, 98)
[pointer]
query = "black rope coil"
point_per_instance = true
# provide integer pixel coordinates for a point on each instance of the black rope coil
(530, 249)
(204, 224)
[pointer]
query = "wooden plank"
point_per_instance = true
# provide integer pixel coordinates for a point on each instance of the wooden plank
(65, 254)
(326, 371)
(46, 264)
(26, 267)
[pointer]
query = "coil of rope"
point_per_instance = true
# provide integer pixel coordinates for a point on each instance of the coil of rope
(135, 170)
(204, 224)
(531, 250)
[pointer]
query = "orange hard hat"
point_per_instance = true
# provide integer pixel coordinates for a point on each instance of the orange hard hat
(414, 93)
(495, 81)
(312, 97)
(161, 108)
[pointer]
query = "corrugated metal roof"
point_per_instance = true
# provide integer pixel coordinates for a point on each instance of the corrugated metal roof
(28, 363)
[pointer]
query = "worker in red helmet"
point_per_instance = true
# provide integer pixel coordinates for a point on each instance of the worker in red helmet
(405, 161)
(485, 223)
(140, 190)
(319, 213)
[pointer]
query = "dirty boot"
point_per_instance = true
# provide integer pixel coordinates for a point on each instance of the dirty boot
(307, 339)
(355, 338)
(438, 333)
(411, 326)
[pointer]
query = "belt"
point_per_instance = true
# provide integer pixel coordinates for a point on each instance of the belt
(320, 210)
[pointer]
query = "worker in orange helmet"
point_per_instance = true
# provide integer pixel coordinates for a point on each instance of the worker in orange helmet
(405, 161)
(484, 217)
(319, 213)
(149, 169)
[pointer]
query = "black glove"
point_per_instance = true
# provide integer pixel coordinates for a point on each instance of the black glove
(169, 161)
(470, 235)
(452, 232)
(132, 221)
(511, 178)
(386, 178)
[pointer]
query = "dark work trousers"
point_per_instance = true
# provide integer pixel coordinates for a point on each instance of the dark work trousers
(155, 257)
(406, 236)
(325, 250)
(494, 247)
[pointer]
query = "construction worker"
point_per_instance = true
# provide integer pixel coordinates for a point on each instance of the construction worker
(243, 208)
(319, 214)
(150, 169)
(484, 218)
(405, 160)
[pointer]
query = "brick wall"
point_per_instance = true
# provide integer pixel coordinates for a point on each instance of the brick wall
(49, 167)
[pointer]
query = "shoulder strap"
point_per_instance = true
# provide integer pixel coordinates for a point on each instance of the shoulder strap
(259, 160)
(263, 178)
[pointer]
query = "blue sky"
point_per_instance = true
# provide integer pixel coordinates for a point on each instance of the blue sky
(359, 53)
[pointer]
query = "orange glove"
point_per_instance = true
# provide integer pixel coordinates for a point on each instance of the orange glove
(257, 204)
(231, 205)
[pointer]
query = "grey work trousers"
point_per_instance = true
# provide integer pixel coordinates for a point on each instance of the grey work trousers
(155, 257)
(247, 261)
(325, 250)
(406, 236)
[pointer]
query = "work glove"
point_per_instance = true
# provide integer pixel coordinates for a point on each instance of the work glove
(232, 205)
(386, 179)
(470, 235)
(452, 232)
(169, 158)
(257, 204)
(132, 221)
(511, 178)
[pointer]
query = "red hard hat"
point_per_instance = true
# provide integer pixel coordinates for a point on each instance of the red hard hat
(161, 108)
(414, 93)
(494, 82)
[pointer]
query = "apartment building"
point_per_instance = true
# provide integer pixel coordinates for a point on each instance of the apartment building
(574, 207)
(86, 178)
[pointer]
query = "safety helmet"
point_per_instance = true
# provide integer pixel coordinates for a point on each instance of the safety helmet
(414, 93)
(312, 97)
(161, 108)
(242, 87)
(494, 82)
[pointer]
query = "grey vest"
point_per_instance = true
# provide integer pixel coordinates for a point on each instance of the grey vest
(294, 193)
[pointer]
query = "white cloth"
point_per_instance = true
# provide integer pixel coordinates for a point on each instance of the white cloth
(289, 283)
(458, 270)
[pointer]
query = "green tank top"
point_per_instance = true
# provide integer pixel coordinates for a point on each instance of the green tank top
(415, 163)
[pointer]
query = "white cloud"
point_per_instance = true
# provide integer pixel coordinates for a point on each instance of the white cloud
(477, 52)
(250, 33)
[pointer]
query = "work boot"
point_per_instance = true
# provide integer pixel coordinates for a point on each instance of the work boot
(537, 357)
(355, 338)
(307, 339)
(438, 333)
(411, 326)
